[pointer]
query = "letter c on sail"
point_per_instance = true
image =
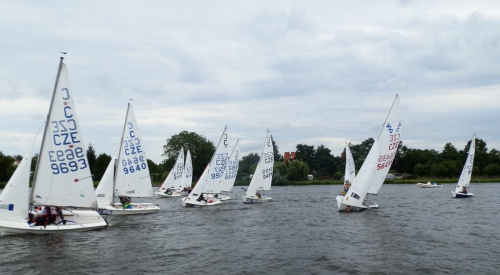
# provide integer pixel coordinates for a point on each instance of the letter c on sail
(67, 93)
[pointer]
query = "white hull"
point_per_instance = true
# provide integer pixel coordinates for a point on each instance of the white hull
(78, 220)
(428, 185)
(195, 203)
(223, 197)
(251, 200)
(460, 195)
(163, 195)
(344, 207)
(137, 208)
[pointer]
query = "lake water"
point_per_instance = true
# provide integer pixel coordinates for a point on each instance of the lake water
(415, 231)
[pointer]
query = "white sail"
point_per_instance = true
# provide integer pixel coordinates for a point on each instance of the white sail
(174, 179)
(231, 169)
(263, 175)
(199, 187)
(62, 176)
(387, 142)
(467, 170)
(188, 171)
(350, 169)
(104, 191)
(217, 166)
(14, 198)
(132, 174)
(359, 187)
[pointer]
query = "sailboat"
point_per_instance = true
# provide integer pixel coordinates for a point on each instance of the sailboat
(174, 182)
(62, 176)
(229, 177)
(350, 169)
(263, 176)
(187, 175)
(130, 178)
(374, 170)
(207, 185)
(464, 181)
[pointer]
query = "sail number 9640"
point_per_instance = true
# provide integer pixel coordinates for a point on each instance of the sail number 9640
(134, 164)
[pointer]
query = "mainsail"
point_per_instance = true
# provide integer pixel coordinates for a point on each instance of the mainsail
(467, 170)
(132, 177)
(175, 179)
(263, 175)
(350, 169)
(62, 176)
(231, 169)
(188, 172)
(104, 191)
(217, 166)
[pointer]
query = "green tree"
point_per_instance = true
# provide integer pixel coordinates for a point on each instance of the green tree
(277, 156)
(6, 169)
(421, 170)
(252, 169)
(324, 163)
(449, 152)
(297, 171)
(200, 147)
(246, 162)
(279, 167)
(100, 166)
(91, 156)
(305, 153)
(492, 170)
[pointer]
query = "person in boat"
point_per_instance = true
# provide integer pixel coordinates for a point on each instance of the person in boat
(50, 215)
(60, 213)
(201, 198)
(259, 195)
(464, 190)
(347, 185)
(188, 190)
(168, 191)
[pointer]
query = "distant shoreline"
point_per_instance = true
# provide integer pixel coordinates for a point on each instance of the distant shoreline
(340, 182)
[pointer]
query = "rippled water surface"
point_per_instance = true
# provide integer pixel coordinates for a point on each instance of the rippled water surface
(415, 231)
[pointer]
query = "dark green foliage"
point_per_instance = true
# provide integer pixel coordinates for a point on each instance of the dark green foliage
(100, 165)
(91, 156)
(279, 167)
(492, 170)
(246, 162)
(297, 170)
(200, 147)
(6, 167)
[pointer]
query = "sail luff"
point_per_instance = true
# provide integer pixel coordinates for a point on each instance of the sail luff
(35, 174)
(120, 151)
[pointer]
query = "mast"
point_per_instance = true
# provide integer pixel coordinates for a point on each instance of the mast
(383, 124)
(120, 150)
(223, 133)
(44, 132)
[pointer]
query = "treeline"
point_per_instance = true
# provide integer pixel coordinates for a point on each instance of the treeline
(310, 160)
(322, 164)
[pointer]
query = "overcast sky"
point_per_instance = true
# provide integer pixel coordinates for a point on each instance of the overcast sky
(315, 72)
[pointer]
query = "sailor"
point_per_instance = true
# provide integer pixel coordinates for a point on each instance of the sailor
(168, 192)
(464, 190)
(347, 185)
(201, 198)
(258, 195)
(60, 213)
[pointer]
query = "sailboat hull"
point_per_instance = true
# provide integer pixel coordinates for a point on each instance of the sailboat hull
(428, 185)
(136, 209)
(460, 195)
(163, 195)
(196, 203)
(79, 220)
(347, 208)
(223, 197)
(252, 200)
